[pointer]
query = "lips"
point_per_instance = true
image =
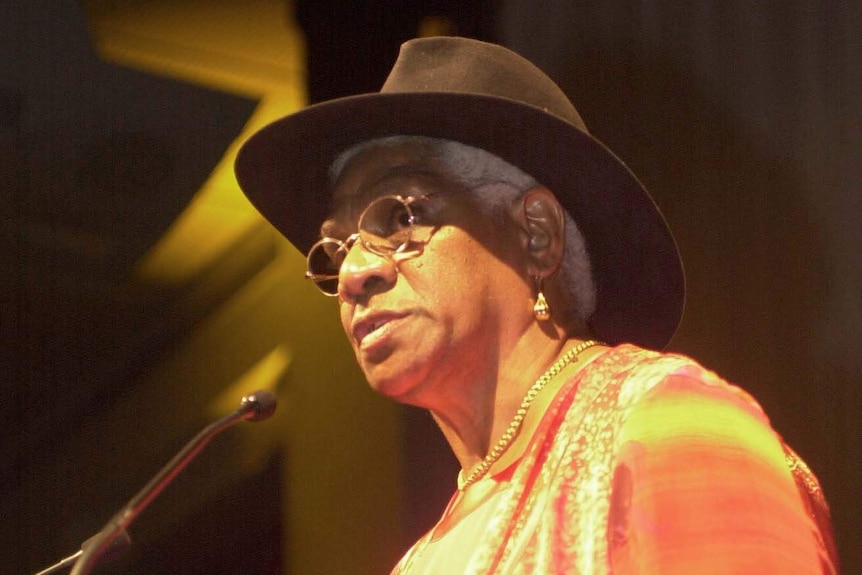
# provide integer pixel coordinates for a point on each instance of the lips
(370, 324)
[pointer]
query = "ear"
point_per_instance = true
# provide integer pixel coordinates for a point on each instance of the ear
(542, 221)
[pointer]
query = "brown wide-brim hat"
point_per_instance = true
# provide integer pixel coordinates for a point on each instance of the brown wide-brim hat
(485, 96)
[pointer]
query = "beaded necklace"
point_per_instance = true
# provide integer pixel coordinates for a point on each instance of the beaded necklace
(514, 427)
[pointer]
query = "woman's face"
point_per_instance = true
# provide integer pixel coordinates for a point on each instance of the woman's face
(439, 317)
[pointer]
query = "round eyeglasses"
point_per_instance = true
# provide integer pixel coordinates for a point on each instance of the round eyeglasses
(387, 227)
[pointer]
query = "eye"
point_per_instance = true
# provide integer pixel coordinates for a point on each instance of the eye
(400, 217)
(422, 213)
(335, 253)
(326, 258)
(387, 218)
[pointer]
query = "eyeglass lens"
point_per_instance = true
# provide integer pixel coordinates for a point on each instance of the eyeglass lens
(384, 227)
(386, 224)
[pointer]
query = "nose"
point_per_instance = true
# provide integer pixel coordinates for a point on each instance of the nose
(363, 273)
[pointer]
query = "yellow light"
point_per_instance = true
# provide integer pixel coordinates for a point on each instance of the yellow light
(265, 375)
(254, 52)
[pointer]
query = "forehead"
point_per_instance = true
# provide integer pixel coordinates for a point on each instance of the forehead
(407, 168)
(378, 163)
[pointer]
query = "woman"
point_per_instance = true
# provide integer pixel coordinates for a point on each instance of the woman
(497, 266)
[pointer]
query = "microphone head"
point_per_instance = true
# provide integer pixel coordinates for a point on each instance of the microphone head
(258, 405)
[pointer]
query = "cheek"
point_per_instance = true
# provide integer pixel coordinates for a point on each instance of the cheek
(462, 277)
(443, 271)
(345, 316)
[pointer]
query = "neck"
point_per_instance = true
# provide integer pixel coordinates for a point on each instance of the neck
(485, 413)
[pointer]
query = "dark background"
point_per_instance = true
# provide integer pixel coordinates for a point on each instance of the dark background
(743, 119)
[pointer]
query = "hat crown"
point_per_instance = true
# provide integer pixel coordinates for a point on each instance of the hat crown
(488, 97)
(464, 66)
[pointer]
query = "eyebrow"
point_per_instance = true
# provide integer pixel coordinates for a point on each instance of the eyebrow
(342, 202)
(409, 166)
(405, 169)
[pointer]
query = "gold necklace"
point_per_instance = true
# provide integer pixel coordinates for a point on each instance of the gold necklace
(511, 432)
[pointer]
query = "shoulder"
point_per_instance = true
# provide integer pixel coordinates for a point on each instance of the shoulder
(633, 393)
(645, 378)
(661, 395)
(692, 447)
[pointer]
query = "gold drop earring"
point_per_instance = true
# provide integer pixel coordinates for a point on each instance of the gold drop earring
(541, 309)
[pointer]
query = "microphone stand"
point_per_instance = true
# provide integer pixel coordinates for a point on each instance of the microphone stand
(254, 407)
(117, 546)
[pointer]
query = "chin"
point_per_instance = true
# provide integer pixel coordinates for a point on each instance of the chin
(399, 387)
(385, 383)
(399, 373)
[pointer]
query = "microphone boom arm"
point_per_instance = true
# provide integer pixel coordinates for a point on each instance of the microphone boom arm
(254, 407)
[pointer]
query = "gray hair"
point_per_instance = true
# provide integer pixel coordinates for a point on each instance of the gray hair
(497, 184)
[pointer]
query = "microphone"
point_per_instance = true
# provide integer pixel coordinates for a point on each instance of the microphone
(120, 543)
(256, 406)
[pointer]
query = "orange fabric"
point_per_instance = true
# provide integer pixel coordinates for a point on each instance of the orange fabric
(647, 463)
(702, 486)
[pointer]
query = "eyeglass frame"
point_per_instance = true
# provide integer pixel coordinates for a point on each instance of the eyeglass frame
(347, 244)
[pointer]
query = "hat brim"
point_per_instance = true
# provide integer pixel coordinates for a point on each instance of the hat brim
(283, 170)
